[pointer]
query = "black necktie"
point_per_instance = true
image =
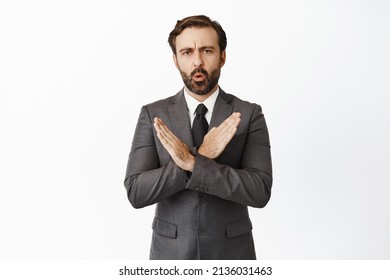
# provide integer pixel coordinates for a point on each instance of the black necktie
(200, 125)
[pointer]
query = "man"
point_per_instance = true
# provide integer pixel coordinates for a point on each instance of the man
(202, 187)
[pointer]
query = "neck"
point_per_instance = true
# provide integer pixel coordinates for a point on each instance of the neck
(202, 97)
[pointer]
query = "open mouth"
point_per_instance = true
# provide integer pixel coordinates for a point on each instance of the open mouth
(199, 77)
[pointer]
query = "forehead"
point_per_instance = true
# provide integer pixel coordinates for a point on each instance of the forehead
(196, 37)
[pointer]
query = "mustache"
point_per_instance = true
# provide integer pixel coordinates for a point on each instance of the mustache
(199, 70)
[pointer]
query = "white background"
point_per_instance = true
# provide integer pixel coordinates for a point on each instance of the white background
(74, 75)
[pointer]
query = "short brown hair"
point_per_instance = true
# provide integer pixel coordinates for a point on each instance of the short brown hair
(197, 21)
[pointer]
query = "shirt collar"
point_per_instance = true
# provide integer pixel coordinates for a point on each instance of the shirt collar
(192, 103)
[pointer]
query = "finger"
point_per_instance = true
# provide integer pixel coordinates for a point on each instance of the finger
(167, 144)
(157, 126)
(231, 119)
(223, 129)
(236, 117)
(167, 132)
(228, 133)
(237, 121)
(163, 134)
(226, 136)
(169, 140)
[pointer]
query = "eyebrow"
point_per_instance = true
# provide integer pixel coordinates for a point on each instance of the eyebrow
(201, 48)
(185, 49)
(206, 47)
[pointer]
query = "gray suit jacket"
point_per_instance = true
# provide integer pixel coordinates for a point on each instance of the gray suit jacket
(202, 215)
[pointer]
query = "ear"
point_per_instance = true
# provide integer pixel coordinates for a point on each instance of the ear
(223, 58)
(175, 61)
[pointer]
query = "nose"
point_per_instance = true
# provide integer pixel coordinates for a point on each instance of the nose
(198, 60)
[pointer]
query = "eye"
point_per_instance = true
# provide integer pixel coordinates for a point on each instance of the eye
(186, 52)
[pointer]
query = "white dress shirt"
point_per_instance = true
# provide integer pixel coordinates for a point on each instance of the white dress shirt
(192, 103)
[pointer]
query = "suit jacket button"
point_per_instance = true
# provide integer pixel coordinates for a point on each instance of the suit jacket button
(201, 200)
(201, 231)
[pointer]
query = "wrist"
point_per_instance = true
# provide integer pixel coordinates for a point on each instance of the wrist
(200, 150)
(190, 164)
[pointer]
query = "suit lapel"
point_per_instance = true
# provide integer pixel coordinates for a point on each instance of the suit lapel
(180, 120)
(222, 109)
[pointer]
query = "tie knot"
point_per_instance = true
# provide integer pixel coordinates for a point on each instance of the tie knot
(201, 110)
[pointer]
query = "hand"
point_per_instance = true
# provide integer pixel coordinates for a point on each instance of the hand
(216, 140)
(175, 147)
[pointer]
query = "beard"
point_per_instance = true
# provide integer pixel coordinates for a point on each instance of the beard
(201, 87)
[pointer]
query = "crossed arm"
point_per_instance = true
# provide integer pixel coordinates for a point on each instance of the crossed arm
(214, 143)
(147, 182)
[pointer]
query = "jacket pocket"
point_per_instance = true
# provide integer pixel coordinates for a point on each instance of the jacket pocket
(164, 228)
(239, 228)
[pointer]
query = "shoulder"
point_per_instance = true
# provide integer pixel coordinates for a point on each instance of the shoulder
(163, 104)
(240, 104)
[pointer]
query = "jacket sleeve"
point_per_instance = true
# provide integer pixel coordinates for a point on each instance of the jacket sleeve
(147, 182)
(251, 183)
